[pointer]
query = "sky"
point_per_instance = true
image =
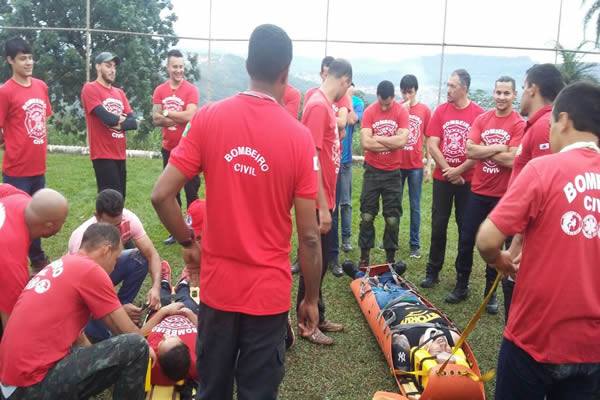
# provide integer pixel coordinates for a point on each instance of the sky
(521, 23)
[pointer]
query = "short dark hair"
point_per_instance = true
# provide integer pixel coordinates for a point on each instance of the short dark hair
(409, 82)
(581, 101)
(385, 89)
(175, 363)
(174, 53)
(269, 53)
(340, 68)
(109, 202)
(546, 77)
(16, 45)
(506, 78)
(463, 77)
(98, 234)
(326, 62)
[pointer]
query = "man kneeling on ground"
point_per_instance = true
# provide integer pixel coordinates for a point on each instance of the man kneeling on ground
(37, 359)
(132, 264)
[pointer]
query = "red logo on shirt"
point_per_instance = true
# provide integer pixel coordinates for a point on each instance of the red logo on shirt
(571, 223)
(414, 125)
(455, 140)
(114, 106)
(35, 120)
(489, 137)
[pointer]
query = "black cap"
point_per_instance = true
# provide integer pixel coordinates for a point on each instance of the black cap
(106, 56)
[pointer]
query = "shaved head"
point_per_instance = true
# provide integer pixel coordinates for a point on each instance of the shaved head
(46, 213)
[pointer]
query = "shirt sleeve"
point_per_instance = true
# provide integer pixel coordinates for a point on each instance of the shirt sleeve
(187, 157)
(434, 128)
(90, 98)
(523, 155)
(4, 105)
(135, 225)
(403, 117)
(359, 109)
(156, 96)
(316, 119)
(306, 169)
(367, 121)
(293, 105)
(521, 203)
(126, 107)
(345, 103)
(475, 131)
(517, 134)
(98, 293)
(193, 96)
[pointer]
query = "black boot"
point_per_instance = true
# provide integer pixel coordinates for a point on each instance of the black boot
(390, 256)
(431, 278)
(460, 291)
(492, 305)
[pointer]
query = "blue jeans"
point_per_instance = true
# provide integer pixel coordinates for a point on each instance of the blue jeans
(182, 295)
(520, 377)
(131, 269)
(30, 185)
(343, 207)
(415, 184)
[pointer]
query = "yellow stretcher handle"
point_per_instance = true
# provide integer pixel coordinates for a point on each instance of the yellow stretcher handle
(147, 385)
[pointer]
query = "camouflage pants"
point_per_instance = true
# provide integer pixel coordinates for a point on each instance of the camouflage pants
(121, 361)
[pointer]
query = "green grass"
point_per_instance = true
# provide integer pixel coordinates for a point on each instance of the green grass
(354, 367)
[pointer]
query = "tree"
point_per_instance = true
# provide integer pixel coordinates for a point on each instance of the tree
(593, 12)
(61, 55)
(573, 69)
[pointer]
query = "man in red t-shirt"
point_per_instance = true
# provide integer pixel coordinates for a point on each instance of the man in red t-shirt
(44, 355)
(447, 132)
(318, 115)
(174, 104)
(108, 116)
(23, 218)
(412, 157)
(258, 162)
(24, 110)
(384, 131)
(551, 345)
(542, 84)
(291, 100)
(492, 142)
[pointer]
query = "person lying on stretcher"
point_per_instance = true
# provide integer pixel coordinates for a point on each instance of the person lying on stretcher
(420, 335)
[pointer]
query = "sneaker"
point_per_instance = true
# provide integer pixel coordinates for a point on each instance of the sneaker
(184, 278)
(346, 247)
(290, 337)
(295, 267)
(415, 253)
(336, 269)
(328, 326)
(165, 272)
(318, 337)
(350, 269)
(170, 240)
(492, 306)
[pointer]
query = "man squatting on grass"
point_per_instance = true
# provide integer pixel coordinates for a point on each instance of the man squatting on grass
(246, 284)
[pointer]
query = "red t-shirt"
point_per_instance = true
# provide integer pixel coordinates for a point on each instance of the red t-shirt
(555, 310)
(196, 212)
(173, 325)
(14, 248)
(535, 142)
(412, 152)
(452, 126)
(174, 100)
(105, 142)
(49, 316)
(385, 123)
(8, 190)
(344, 102)
(23, 114)
(256, 160)
(489, 178)
(291, 100)
(318, 116)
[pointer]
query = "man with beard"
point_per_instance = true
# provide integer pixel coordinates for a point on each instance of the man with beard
(107, 115)
(492, 142)
(448, 131)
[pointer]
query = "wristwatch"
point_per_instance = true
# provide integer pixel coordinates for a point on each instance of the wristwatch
(165, 113)
(188, 242)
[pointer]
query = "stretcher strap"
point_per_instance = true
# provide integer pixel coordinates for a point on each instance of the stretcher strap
(470, 327)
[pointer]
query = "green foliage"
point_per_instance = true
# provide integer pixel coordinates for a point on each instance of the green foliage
(60, 55)
(573, 69)
(483, 98)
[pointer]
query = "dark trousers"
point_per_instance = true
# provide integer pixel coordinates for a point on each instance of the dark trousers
(478, 208)
(30, 185)
(246, 348)
(111, 174)
(387, 185)
(191, 187)
(507, 290)
(520, 377)
(445, 194)
(182, 295)
(325, 246)
(130, 271)
(121, 361)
